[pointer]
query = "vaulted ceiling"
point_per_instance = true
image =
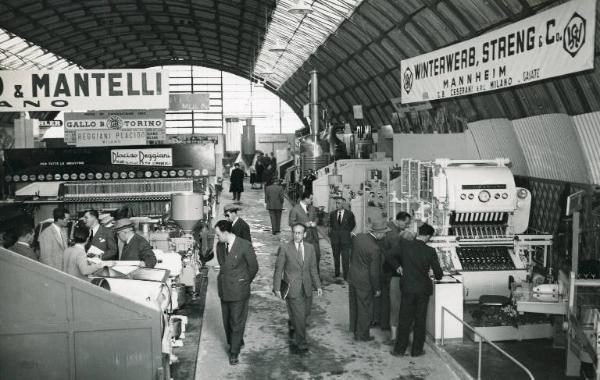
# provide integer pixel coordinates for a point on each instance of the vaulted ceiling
(356, 46)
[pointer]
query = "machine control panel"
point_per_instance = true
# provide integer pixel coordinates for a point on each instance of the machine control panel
(485, 258)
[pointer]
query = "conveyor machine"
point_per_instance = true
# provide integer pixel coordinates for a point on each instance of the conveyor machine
(480, 217)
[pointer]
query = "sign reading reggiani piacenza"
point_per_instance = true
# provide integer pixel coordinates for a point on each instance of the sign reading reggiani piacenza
(556, 42)
(82, 90)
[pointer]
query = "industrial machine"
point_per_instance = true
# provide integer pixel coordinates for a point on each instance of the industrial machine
(480, 218)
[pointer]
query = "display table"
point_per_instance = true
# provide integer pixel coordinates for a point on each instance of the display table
(448, 293)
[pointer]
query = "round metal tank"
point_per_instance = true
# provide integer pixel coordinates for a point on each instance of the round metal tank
(314, 163)
(186, 209)
(248, 141)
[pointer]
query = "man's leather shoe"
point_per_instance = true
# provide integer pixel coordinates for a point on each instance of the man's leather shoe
(397, 354)
(233, 359)
(417, 353)
(299, 351)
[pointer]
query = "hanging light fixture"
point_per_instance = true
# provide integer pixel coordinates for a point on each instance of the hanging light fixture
(300, 7)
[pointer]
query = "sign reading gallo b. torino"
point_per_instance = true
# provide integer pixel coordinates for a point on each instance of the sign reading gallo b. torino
(556, 42)
(82, 90)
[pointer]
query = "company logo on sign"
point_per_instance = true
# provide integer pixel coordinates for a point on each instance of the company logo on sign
(408, 80)
(114, 122)
(574, 34)
(142, 157)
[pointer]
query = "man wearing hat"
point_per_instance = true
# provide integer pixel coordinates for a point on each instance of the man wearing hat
(341, 224)
(274, 198)
(239, 227)
(364, 278)
(413, 261)
(135, 247)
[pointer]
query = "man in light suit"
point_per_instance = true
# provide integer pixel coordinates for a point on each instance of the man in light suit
(239, 227)
(297, 265)
(306, 214)
(341, 224)
(100, 236)
(238, 267)
(274, 200)
(23, 244)
(54, 238)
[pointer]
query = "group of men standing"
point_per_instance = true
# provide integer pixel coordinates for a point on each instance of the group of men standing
(96, 240)
(387, 269)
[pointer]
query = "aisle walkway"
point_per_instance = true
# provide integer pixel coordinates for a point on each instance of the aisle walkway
(333, 353)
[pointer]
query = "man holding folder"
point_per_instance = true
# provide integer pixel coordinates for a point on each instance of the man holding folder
(296, 265)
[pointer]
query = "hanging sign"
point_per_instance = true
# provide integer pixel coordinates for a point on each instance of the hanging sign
(189, 102)
(110, 137)
(143, 157)
(83, 90)
(556, 42)
(129, 119)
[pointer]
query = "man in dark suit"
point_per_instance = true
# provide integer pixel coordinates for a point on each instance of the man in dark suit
(236, 182)
(297, 265)
(274, 202)
(363, 277)
(239, 226)
(135, 247)
(306, 214)
(387, 308)
(25, 234)
(413, 262)
(341, 224)
(100, 237)
(238, 267)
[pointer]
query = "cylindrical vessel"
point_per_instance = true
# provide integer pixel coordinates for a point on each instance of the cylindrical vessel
(248, 140)
(186, 209)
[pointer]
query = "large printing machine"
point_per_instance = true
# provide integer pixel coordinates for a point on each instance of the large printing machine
(480, 218)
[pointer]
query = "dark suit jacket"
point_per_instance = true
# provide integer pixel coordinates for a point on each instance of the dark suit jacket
(25, 250)
(139, 249)
(302, 277)
(416, 259)
(274, 197)
(236, 181)
(238, 269)
(365, 263)
(241, 229)
(339, 233)
(104, 239)
(297, 214)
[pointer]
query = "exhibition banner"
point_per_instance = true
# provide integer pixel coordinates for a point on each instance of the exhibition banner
(82, 90)
(143, 157)
(128, 119)
(189, 102)
(556, 42)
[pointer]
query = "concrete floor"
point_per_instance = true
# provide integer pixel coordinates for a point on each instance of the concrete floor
(333, 353)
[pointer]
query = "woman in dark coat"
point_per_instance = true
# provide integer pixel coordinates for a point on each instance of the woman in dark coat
(236, 182)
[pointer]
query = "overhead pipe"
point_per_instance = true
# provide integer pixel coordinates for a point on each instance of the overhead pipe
(314, 107)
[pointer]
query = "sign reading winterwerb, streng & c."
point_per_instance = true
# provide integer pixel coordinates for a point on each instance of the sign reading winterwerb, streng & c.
(142, 157)
(82, 90)
(556, 42)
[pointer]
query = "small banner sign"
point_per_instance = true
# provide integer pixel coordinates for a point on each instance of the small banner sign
(142, 157)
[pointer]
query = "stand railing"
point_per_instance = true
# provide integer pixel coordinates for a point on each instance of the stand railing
(481, 340)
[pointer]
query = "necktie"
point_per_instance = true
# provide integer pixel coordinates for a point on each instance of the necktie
(340, 217)
(301, 253)
(227, 247)
(89, 242)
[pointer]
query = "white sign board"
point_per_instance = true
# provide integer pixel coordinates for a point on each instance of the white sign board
(110, 137)
(83, 90)
(145, 157)
(188, 102)
(357, 111)
(128, 119)
(556, 42)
